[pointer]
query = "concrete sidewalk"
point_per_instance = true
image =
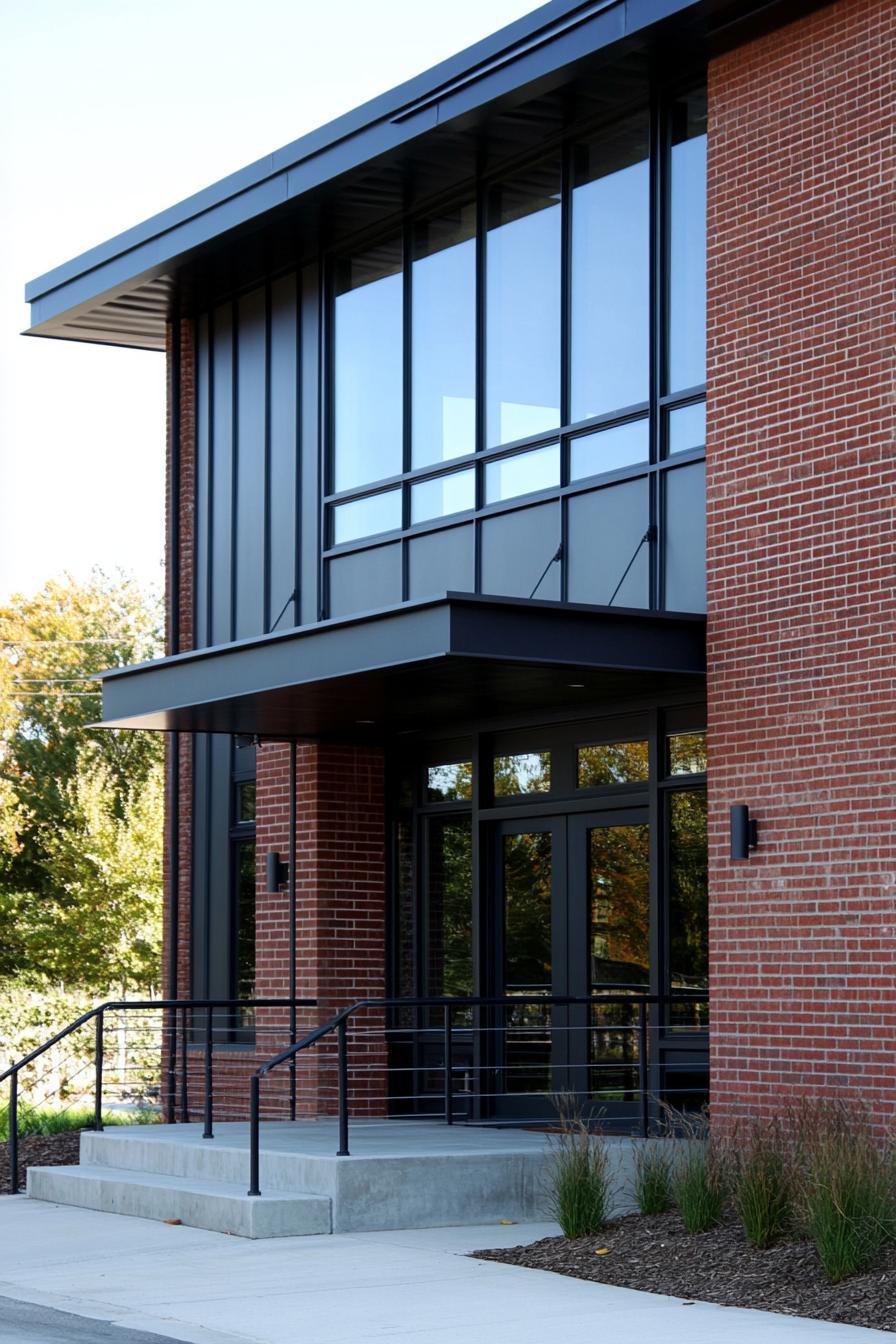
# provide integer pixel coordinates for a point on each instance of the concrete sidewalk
(408, 1287)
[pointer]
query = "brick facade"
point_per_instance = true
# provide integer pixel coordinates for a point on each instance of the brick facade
(801, 475)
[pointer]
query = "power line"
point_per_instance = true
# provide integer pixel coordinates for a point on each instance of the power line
(57, 695)
(105, 639)
(50, 681)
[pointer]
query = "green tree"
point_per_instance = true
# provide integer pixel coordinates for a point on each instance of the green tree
(80, 808)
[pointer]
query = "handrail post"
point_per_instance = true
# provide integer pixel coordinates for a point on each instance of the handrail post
(342, 1038)
(171, 1091)
(184, 1097)
(254, 1138)
(449, 1069)
(208, 1132)
(13, 1145)
(98, 1087)
(642, 1069)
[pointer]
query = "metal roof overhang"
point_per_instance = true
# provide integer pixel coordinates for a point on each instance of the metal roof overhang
(449, 660)
(123, 291)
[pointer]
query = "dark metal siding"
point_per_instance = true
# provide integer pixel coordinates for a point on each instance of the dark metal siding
(250, 457)
(257, 380)
(282, 394)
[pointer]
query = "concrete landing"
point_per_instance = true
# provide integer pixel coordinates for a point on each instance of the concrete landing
(402, 1174)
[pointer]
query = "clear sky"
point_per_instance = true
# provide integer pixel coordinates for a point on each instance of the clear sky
(111, 110)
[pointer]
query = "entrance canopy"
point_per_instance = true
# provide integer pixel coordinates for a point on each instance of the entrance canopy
(451, 659)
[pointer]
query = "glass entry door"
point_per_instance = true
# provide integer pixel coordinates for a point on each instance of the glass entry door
(531, 864)
(573, 918)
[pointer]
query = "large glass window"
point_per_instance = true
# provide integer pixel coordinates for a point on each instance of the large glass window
(687, 245)
(367, 367)
(522, 306)
(610, 288)
(450, 347)
(443, 337)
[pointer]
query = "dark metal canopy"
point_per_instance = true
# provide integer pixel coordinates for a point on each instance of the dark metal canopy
(445, 660)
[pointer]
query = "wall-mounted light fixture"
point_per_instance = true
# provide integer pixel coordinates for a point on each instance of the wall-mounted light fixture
(744, 832)
(277, 871)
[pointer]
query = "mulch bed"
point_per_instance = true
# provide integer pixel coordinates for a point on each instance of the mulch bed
(40, 1150)
(656, 1255)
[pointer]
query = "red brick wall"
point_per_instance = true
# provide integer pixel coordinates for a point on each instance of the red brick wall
(801, 475)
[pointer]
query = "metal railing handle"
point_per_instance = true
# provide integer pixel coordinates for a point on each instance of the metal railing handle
(342, 1065)
(448, 1083)
(13, 1143)
(208, 1131)
(98, 1086)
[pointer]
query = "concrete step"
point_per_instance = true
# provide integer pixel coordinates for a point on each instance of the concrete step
(420, 1183)
(214, 1205)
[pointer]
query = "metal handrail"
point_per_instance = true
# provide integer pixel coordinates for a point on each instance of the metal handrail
(97, 1014)
(338, 1024)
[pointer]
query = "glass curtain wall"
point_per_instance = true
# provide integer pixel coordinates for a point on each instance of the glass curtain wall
(498, 387)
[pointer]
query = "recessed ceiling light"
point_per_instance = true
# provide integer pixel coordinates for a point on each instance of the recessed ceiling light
(577, 685)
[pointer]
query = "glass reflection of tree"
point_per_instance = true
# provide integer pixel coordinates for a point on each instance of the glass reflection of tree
(449, 783)
(613, 763)
(528, 772)
(688, 932)
(527, 957)
(619, 858)
(620, 908)
(450, 896)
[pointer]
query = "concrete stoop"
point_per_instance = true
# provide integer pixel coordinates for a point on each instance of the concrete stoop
(399, 1176)
(213, 1205)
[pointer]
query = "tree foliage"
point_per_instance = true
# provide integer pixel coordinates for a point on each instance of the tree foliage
(80, 808)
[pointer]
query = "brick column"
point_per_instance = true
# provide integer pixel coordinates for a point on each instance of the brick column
(800, 484)
(340, 928)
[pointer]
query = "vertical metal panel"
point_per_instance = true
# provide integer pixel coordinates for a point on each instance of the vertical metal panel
(201, 535)
(249, 514)
(310, 355)
(282, 502)
(221, 521)
(199, 896)
(219, 941)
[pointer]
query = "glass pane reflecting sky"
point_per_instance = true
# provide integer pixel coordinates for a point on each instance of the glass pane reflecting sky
(368, 368)
(610, 293)
(687, 245)
(446, 494)
(621, 446)
(443, 336)
(522, 473)
(364, 517)
(523, 306)
(687, 427)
